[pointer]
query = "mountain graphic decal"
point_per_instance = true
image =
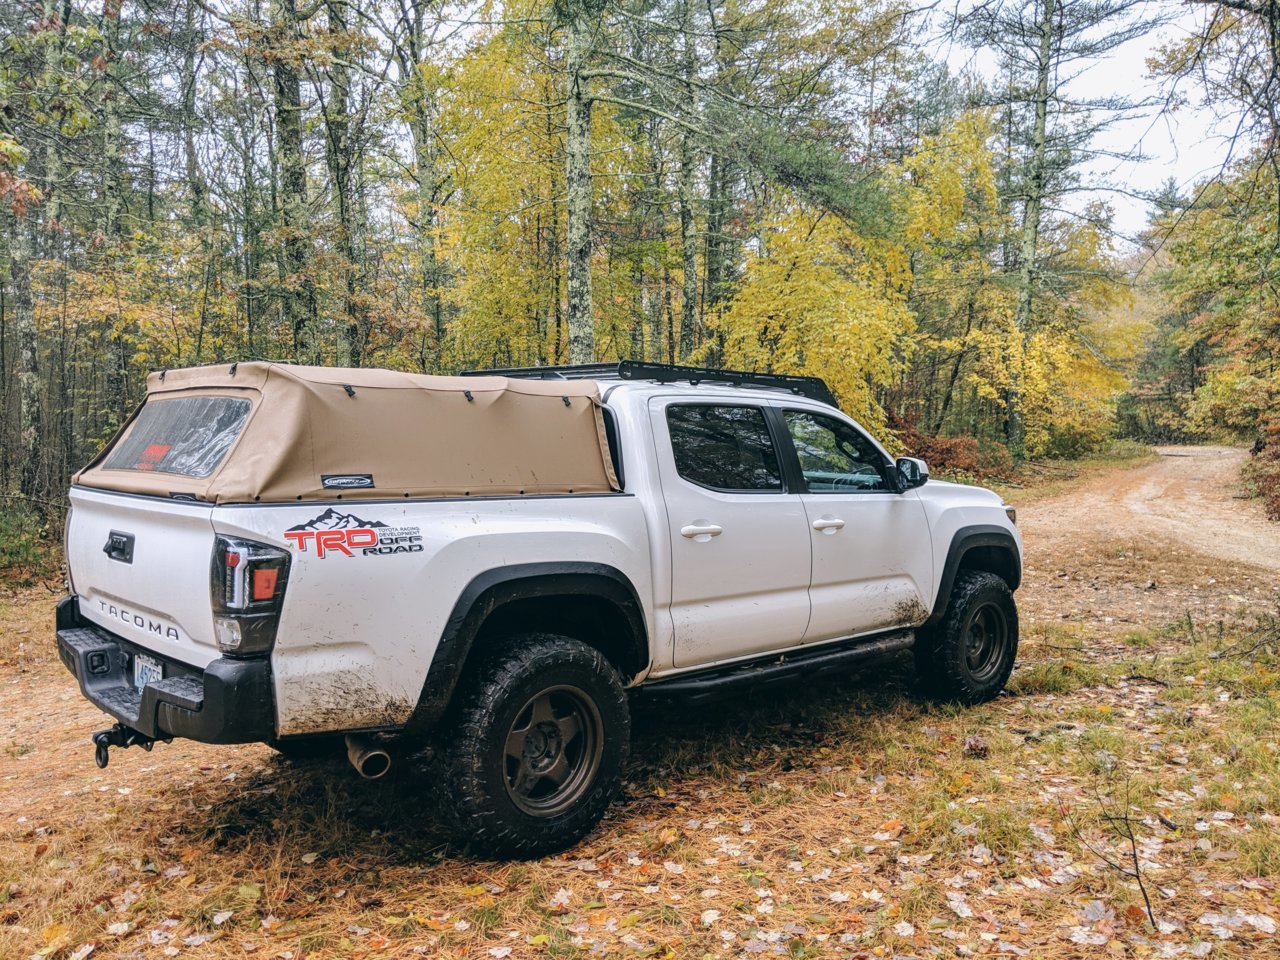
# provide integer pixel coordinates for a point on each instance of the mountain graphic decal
(332, 519)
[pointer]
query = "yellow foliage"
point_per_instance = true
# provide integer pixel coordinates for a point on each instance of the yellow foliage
(819, 300)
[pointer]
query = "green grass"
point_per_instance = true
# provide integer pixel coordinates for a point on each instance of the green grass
(1054, 676)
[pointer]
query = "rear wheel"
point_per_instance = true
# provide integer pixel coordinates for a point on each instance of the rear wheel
(535, 752)
(969, 655)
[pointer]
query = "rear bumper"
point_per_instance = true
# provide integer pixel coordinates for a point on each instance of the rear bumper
(230, 701)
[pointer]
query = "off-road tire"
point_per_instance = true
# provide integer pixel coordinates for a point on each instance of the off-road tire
(495, 707)
(950, 659)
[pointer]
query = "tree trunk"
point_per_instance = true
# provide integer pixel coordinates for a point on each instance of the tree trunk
(339, 152)
(689, 334)
(577, 169)
(1015, 429)
(195, 179)
(112, 184)
(418, 103)
(297, 293)
(21, 254)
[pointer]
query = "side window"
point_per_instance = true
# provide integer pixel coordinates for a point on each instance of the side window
(724, 448)
(834, 457)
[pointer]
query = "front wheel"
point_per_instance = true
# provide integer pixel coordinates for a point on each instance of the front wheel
(535, 753)
(969, 655)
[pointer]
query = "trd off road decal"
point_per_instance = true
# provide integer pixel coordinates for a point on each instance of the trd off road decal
(346, 534)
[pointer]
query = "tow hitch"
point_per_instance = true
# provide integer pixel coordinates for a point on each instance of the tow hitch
(119, 736)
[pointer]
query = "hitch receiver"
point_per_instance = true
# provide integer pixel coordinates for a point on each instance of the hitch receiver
(119, 736)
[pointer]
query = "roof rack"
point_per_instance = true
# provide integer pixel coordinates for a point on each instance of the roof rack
(815, 388)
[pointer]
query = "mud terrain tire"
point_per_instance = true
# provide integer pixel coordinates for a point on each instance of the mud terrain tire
(534, 753)
(968, 656)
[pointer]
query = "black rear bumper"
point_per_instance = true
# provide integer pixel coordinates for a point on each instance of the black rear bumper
(230, 701)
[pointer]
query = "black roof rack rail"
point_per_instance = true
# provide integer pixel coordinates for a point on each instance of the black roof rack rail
(569, 371)
(815, 388)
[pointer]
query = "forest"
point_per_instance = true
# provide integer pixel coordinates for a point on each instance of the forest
(771, 185)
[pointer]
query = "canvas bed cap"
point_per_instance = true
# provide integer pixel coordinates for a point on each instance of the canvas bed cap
(269, 432)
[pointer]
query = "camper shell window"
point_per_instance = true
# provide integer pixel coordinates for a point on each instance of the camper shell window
(186, 436)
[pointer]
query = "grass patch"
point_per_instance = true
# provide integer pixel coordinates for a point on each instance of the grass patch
(1054, 676)
(1047, 478)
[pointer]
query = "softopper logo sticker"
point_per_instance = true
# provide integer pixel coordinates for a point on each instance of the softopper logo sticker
(346, 534)
(346, 481)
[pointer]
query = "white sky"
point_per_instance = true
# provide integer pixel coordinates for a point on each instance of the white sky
(1186, 144)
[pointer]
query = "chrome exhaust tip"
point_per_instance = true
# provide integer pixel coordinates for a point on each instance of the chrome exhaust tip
(369, 759)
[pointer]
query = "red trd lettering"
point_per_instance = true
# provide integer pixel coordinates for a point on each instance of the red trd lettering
(300, 537)
(341, 541)
(331, 540)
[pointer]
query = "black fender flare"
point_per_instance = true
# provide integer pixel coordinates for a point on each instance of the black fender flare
(488, 592)
(967, 539)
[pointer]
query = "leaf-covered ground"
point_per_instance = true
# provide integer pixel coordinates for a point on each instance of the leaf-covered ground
(1130, 775)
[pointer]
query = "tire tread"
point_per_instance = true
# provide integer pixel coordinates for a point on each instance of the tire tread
(478, 820)
(939, 651)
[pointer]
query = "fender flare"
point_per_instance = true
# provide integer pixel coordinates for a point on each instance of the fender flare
(966, 540)
(488, 592)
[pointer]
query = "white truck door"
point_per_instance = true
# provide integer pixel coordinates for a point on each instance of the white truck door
(740, 549)
(872, 553)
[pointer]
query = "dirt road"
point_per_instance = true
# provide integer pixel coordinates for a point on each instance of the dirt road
(1143, 545)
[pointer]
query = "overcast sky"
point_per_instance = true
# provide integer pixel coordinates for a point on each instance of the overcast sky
(1185, 144)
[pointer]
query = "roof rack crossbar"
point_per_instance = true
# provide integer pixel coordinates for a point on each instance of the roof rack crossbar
(814, 388)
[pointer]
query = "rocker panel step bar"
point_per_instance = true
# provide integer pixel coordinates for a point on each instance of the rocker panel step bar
(713, 684)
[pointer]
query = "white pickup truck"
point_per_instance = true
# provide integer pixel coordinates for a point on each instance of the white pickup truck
(494, 565)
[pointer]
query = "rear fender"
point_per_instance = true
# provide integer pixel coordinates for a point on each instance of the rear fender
(490, 592)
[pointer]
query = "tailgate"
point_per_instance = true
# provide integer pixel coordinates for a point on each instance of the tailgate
(140, 566)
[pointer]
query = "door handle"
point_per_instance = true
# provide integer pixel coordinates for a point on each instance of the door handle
(119, 546)
(828, 525)
(701, 530)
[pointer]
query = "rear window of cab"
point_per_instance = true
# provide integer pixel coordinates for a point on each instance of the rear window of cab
(185, 436)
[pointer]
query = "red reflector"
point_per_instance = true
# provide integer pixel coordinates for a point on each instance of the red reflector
(264, 583)
(233, 559)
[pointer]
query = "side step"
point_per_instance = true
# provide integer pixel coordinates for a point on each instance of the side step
(756, 674)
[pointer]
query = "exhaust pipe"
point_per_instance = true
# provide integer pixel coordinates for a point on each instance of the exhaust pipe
(369, 759)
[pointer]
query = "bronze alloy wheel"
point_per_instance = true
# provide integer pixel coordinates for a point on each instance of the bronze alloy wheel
(985, 642)
(553, 751)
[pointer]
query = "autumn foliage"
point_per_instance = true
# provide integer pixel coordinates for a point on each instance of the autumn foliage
(773, 186)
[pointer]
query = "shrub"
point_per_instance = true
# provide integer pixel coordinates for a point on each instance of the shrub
(1262, 473)
(964, 456)
(26, 549)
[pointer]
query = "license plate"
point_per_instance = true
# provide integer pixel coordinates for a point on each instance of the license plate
(146, 670)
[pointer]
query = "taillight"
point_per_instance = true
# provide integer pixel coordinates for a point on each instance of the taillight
(247, 584)
(66, 551)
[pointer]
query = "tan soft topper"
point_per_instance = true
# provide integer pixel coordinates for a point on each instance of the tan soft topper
(270, 432)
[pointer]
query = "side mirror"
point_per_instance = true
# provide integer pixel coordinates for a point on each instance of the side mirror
(914, 472)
